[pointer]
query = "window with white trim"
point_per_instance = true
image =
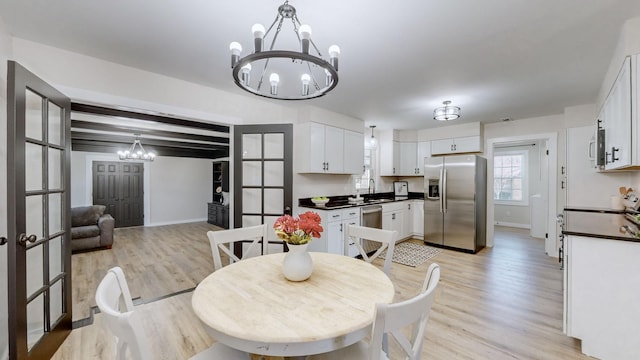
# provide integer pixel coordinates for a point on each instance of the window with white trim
(510, 178)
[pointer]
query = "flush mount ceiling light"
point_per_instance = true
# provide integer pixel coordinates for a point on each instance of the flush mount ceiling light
(446, 112)
(372, 142)
(304, 75)
(136, 152)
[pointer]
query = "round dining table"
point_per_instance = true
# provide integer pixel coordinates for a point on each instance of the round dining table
(249, 305)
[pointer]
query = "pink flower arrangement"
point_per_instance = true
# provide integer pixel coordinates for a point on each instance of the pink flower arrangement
(298, 231)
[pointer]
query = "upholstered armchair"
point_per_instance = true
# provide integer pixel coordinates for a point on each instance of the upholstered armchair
(91, 228)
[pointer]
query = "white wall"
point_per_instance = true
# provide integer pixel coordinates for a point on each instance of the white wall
(5, 54)
(176, 190)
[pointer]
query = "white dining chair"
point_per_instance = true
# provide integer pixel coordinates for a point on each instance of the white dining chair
(386, 238)
(390, 319)
(222, 240)
(126, 326)
(122, 322)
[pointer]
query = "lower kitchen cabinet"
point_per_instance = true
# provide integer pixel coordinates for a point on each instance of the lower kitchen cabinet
(332, 238)
(393, 218)
(417, 210)
(602, 294)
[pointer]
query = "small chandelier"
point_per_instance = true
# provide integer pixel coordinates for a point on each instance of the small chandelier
(316, 75)
(136, 155)
(446, 112)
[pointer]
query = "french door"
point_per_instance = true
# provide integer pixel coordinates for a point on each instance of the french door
(119, 186)
(38, 216)
(263, 176)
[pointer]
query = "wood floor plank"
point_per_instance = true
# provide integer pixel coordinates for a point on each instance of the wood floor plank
(503, 303)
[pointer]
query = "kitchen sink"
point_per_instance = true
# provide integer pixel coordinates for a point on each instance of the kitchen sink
(377, 201)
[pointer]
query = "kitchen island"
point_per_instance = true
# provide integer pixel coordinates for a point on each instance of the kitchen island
(601, 283)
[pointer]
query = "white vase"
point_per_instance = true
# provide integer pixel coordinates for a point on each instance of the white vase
(297, 264)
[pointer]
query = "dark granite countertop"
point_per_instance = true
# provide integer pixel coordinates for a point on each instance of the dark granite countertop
(342, 201)
(601, 223)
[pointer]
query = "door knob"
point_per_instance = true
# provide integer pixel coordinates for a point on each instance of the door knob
(23, 238)
(3, 240)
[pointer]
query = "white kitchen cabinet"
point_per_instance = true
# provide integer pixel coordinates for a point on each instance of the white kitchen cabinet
(412, 156)
(350, 216)
(329, 240)
(602, 296)
(407, 219)
(389, 154)
(615, 115)
(328, 149)
(332, 238)
(353, 152)
(393, 218)
(418, 218)
(466, 144)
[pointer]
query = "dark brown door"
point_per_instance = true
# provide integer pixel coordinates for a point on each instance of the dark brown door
(120, 187)
(263, 176)
(38, 219)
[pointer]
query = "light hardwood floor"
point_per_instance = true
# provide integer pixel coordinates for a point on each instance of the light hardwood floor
(503, 303)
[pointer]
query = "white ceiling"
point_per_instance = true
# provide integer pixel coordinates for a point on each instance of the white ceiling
(399, 60)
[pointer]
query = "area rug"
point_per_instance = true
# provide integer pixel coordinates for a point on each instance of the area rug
(411, 254)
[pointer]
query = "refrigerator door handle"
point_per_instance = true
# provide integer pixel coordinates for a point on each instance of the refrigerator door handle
(440, 189)
(443, 196)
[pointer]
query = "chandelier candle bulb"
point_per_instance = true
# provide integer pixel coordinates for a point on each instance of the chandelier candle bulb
(274, 79)
(305, 78)
(334, 52)
(305, 36)
(236, 49)
(246, 74)
(258, 35)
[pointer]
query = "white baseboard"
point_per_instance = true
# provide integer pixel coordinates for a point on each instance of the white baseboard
(176, 222)
(515, 225)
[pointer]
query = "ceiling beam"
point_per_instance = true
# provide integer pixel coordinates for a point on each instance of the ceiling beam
(106, 147)
(126, 141)
(89, 125)
(100, 110)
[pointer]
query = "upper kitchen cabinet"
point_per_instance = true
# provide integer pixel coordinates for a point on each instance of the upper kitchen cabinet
(389, 153)
(467, 144)
(412, 156)
(328, 149)
(617, 121)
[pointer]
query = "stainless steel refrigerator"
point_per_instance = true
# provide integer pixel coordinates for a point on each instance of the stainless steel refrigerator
(455, 202)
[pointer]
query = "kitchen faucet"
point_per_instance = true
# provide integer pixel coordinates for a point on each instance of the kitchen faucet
(374, 186)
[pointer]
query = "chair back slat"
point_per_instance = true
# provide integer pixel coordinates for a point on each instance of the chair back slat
(386, 238)
(223, 240)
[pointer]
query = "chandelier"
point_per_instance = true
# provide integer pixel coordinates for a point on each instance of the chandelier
(446, 112)
(305, 75)
(136, 152)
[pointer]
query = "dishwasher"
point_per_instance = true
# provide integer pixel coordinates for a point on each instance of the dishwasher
(371, 216)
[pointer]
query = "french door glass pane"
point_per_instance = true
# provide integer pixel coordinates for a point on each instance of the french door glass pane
(33, 167)
(273, 201)
(34, 269)
(252, 201)
(274, 173)
(34, 215)
(33, 116)
(35, 320)
(251, 146)
(55, 168)
(55, 257)
(55, 213)
(251, 173)
(55, 124)
(251, 220)
(55, 311)
(273, 146)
